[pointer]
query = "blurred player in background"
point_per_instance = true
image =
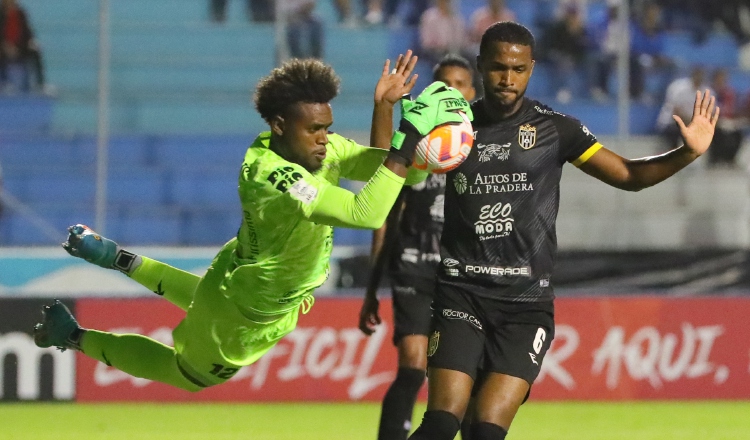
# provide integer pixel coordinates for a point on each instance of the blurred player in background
(410, 243)
(260, 281)
(493, 314)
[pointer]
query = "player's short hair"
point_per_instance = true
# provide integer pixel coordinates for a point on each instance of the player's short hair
(297, 80)
(451, 60)
(507, 32)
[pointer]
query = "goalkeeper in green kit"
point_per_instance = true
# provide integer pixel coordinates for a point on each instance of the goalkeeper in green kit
(260, 281)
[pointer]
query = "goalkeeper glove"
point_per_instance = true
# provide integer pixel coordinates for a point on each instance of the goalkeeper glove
(438, 104)
(84, 243)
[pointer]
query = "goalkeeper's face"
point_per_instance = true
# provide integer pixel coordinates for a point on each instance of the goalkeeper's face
(303, 134)
(506, 69)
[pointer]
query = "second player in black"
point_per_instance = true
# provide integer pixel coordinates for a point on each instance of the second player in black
(409, 244)
(493, 314)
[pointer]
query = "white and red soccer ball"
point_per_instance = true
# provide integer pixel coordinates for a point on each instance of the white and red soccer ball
(445, 147)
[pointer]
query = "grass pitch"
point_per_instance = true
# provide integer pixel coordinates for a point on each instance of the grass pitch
(315, 421)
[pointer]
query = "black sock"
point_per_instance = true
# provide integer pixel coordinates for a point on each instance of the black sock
(398, 404)
(487, 431)
(75, 338)
(437, 425)
(466, 428)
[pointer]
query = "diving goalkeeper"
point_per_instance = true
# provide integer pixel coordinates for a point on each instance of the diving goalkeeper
(260, 281)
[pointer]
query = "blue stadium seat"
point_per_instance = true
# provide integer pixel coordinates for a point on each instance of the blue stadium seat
(28, 150)
(25, 113)
(122, 150)
(22, 230)
(133, 186)
(205, 226)
(185, 151)
(205, 187)
(351, 237)
(147, 226)
(55, 185)
(717, 50)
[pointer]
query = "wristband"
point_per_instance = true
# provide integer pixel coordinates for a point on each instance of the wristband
(404, 141)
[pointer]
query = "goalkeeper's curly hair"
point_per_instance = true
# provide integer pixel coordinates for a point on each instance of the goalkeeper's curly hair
(298, 80)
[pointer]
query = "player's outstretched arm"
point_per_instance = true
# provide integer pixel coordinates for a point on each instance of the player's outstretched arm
(175, 285)
(436, 105)
(391, 86)
(637, 174)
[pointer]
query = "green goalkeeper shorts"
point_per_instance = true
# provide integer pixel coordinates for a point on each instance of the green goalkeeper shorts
(215, 339)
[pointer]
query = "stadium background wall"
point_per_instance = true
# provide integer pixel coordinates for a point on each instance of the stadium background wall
(605, 349)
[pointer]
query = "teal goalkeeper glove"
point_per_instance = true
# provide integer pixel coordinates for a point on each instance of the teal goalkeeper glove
(438, 104)
(84, 243)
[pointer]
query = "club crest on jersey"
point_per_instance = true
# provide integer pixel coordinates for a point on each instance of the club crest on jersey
(433, 345)
(526, 136)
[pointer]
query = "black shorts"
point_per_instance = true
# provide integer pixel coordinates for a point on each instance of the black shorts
(411, 306)
(471, 334)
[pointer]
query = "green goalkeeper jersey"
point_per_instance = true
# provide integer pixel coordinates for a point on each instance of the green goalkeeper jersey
(284, 244)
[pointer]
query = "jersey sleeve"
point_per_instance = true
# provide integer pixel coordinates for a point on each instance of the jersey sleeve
(357, 162)
(360, 163)
(366, 209)
(577, 143)
(286, 190)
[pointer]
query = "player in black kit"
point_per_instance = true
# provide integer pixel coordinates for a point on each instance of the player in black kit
(410, 244)
(493, 312)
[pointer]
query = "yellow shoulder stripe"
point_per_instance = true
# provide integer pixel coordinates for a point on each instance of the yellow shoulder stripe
(587, 154)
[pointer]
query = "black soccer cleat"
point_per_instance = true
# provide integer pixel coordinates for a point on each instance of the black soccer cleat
(58, 328)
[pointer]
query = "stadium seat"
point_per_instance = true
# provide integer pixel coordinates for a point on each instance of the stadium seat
(185, 151)
(207, 187)
(210, 226)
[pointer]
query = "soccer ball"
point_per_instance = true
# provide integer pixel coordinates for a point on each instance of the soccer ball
(445, 147)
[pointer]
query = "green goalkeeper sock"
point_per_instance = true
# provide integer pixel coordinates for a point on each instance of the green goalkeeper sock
(136, 355)
(175, 285)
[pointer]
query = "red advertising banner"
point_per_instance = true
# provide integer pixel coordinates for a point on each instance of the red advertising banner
(604, 349)
(648, 348)
(326, 358)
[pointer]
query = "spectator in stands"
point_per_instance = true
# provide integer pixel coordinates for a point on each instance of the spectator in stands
(257, 10)
(679, 100)
(729, 13)
(347, 17)
(607, 35)
(728, 134)
(495, 11)
(19, 46)
(304, 29)
(375, 12)
(442, 32)
(647, 51)
(486, 16)
(565, 45)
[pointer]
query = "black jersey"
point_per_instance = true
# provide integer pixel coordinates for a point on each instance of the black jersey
(499, 236)
(417, 249)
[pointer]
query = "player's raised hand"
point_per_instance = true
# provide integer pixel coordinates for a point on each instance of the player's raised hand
(438, 104)
(699, 133)
(368, 315)
(393, 84)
